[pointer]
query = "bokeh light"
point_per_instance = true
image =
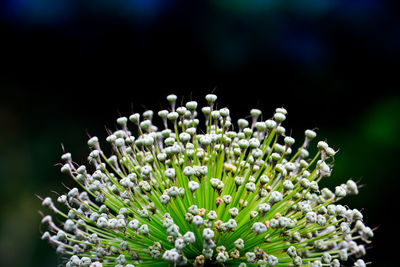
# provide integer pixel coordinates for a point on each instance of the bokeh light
(69, 68)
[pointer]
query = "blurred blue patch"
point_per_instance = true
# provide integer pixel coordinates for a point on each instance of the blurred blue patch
(311, 8)
(230, 53)
(303, 47)
(144, 6)
(37, 11)
(359, 8)
(55, 11)
(246, 7)
(144, 10)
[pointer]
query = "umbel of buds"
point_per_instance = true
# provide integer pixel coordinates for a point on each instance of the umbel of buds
(190, 193)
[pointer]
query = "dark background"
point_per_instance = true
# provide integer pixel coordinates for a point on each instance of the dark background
(69, 68)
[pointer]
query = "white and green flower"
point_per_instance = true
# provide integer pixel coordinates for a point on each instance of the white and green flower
(182, 194)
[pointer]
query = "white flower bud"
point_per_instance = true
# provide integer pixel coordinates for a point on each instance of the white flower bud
(184, 137)
(135, 118)
(316, 264)
(297, 261)
(233, 212)
(311, 217)
(170, 173)
(310, 134)
(227, 199)
(69, 225)
(172, 116)
(250, 256)
(291, 251)
(193, 186)
(275, 197)
(270, 124)
(251, 187)
(321, 220)
(351, 187)
(367, 233)
(47, 202)
(224, 112)
(259, 228)
(164, 199)
(360, 263)
(144, 229)
(180, 243)
(242, 123)
(254, 143)
(289, 141)
(171, 255)
(239, 180)
(205, 140)
(340, 191)
(189, 237)
(172, 98)
(122, 121)
(260, 126)
(239, 244)
(215, 114)
(272, 260)
(208, 233)
(197, 220)
(264, 207)
(221, 257)
(211, 98)
(191, 105)
(66, 169)
(288, 185)
(322, 145)
(279, 117)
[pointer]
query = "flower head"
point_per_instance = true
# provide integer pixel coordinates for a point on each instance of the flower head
(182, 194)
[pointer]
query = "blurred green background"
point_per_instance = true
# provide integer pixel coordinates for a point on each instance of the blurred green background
(69, 68)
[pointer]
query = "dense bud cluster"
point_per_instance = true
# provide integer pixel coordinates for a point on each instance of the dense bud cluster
(182, 194)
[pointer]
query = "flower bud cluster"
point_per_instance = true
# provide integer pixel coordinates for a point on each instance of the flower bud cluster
(181, 194)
